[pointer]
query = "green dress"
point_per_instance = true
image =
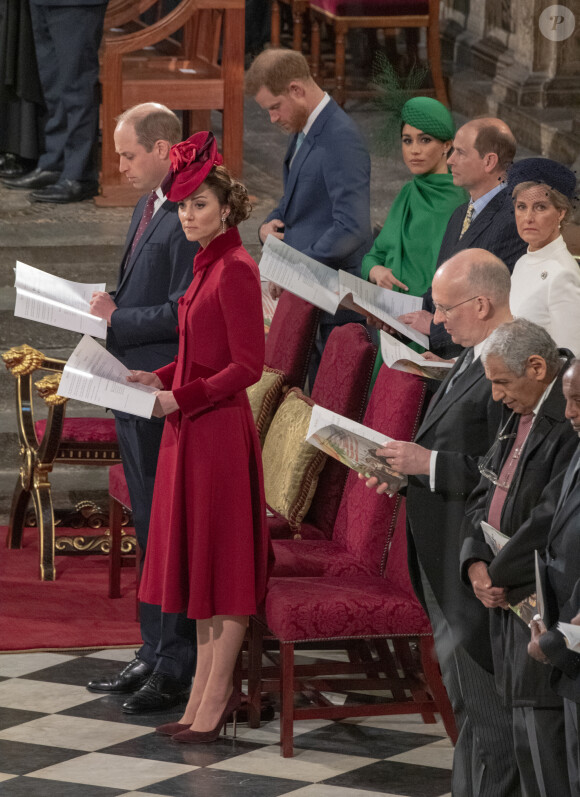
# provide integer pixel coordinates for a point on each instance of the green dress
(411, 237)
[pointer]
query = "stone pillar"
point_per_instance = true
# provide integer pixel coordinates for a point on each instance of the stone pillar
(512, 43)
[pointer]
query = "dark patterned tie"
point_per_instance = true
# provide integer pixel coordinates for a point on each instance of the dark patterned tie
(145, 219)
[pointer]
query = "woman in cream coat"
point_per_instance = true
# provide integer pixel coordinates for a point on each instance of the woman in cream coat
(546, 280)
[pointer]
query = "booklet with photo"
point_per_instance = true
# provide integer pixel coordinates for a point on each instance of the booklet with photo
(55, 301)
(354, 445)
(328, 289)
(401, 357)
(528, 608)
(571, 634)
(93, 375)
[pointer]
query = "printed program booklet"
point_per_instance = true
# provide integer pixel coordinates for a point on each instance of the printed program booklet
(93, 375)
(401, 357)
(328, 289)
(527, 609)
(354, 445)
(55, 301)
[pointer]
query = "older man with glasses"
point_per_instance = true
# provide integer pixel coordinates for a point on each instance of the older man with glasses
(471, 295)
(521, 480)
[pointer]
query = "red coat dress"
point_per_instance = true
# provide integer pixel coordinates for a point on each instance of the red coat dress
(207, 551)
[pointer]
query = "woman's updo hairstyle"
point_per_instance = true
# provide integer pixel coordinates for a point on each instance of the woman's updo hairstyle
(229, 192)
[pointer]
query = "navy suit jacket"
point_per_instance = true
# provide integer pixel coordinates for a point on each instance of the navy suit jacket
(326, 202)
(143, 333)
(493, 229)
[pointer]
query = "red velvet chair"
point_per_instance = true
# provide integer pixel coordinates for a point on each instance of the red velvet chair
(291, 338)
(343, 15)
(341, 385)
(380, 614)
(364, 520)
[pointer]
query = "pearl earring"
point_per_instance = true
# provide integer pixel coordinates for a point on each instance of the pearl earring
(224, 217)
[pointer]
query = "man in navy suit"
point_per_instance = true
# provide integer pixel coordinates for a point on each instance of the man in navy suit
(67, 36)
(141, 315)
(483, 150)
(325, 209)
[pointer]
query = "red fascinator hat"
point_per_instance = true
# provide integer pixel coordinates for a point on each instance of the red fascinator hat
(191, 162)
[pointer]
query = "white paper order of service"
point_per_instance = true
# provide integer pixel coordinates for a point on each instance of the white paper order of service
(55, 301)
(93, 375)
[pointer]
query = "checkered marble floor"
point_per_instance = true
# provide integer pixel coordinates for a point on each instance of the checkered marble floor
(59, 740)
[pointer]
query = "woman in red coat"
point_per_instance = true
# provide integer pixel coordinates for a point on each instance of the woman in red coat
(208, 541)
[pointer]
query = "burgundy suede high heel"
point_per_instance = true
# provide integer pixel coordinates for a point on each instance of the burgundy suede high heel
(204, 737)
(171, 728)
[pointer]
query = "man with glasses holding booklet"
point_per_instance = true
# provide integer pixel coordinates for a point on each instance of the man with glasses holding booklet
(471, 296)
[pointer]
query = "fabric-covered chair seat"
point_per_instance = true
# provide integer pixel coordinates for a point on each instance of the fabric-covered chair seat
(83, 430)
(300, 609)
(314, 558)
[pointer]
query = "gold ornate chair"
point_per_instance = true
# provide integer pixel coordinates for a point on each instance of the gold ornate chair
(44, 443)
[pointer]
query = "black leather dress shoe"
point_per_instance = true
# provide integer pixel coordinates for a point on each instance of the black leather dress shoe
(131, 678)
(34, 179)
(159, 693)
(65, 191)
(14, 166)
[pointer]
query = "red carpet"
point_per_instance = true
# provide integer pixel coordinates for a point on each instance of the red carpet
(72, 612)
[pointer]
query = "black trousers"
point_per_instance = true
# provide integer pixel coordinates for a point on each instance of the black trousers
(484, 763)
(67, 40)
(169, 640)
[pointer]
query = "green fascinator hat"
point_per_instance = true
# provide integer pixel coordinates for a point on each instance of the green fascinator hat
(430, 116)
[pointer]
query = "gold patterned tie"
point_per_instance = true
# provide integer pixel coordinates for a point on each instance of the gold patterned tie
(467, 219)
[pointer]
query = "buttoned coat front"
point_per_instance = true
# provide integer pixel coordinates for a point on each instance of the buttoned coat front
(208, 539)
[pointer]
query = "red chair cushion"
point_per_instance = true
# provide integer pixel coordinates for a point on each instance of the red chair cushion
(314, 558)
(372, 8)
(289, 341)
(83, 430)
(118, 486)
(312, 608)
(364, 518)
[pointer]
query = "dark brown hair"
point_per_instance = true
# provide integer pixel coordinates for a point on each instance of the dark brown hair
(229, 192)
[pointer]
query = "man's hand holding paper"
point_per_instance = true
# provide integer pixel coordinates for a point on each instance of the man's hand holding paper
(102, 306)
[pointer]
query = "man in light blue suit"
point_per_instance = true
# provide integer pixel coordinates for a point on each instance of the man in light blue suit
(325, 209)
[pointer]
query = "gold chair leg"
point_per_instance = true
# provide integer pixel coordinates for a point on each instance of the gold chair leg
(20, 501)
(45, 521)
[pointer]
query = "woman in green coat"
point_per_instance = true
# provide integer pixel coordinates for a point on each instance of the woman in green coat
(404, 255)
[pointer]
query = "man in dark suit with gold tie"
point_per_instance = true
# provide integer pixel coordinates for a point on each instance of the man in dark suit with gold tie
(141, 315)
(483, 151)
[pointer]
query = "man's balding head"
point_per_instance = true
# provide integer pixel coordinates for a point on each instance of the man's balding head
(152, 122)
(471, 295)
(483, 150)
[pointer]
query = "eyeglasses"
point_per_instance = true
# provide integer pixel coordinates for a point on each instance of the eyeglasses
(439, 308)
(484, 465)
